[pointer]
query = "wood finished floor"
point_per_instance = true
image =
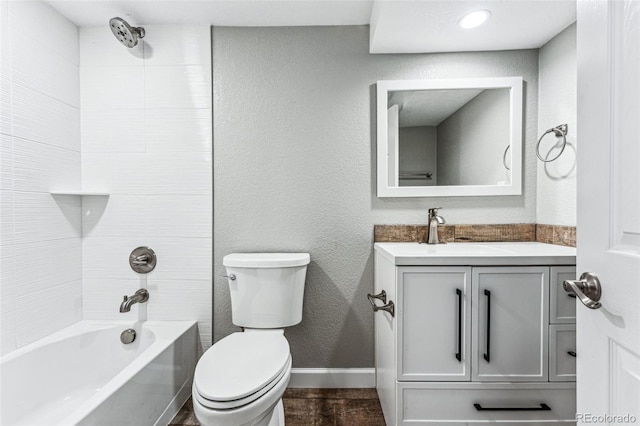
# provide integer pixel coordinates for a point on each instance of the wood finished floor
(316, 407)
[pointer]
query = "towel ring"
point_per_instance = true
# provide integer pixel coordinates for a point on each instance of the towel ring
(504, 158)
(559, 131)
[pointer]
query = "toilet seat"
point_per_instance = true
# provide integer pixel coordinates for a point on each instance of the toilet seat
(241, 368)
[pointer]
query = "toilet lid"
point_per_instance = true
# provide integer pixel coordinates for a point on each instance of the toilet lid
(241, 364)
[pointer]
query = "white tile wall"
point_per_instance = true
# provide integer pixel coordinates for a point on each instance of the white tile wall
(44, 312)
(38, 117)
(115, 216)
(97, 49)
(177, 45)
(41, 167)
(38, 216)
(171, 130)
(146, 140)
(112, 87)
(40, 245)
(115, 173)
(190, 87)
(179, 216)
(113, 130)
(39, 68)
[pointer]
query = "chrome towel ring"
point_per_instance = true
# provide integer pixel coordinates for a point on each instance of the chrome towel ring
(561, 132)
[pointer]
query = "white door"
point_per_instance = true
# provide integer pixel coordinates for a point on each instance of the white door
(608, 240)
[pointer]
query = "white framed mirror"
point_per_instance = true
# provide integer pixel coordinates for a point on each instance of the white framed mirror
(449, 137)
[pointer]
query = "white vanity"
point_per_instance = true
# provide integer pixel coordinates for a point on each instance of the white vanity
(482, 333)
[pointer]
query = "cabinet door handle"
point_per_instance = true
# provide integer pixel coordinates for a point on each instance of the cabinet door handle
(571, 353)
(542, 407)
(459, 353)
(487, 355)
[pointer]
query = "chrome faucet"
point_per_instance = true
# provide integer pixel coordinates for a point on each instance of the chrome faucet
(141, 296)
(434, 221)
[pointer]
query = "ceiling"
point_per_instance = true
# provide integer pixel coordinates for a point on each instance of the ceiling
(396, 26)
(430, 107)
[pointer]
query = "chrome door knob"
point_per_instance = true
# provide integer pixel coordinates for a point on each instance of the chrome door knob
(587, 289)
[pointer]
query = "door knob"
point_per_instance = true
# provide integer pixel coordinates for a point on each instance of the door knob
(587, 289)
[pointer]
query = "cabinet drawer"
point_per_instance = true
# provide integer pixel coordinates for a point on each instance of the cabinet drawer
(428, 403)
(562, 364)
(562, 305)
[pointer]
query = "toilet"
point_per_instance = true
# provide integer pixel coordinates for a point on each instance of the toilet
(240, 380)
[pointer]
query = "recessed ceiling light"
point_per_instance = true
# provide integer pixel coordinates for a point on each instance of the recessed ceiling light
(474, 19)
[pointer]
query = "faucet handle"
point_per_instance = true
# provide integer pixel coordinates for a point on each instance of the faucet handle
(434, 211)
(125, 298)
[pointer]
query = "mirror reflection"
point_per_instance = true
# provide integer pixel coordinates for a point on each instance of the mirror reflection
(451, 136)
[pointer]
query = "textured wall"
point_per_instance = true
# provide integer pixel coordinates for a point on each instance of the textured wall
(558, 105)
(473, 139)
(146, 140)
(40, 245)
(294, 168)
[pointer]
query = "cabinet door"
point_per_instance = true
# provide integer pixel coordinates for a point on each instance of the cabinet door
(563, 304)
(434, 323)
(510, 317)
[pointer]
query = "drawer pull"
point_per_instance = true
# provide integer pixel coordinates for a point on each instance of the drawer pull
(542, 407)
(572, 353)
(487, 355)
(572, 295)
(459, 353)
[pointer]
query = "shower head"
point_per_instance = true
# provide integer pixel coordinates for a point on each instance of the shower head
(125, 33)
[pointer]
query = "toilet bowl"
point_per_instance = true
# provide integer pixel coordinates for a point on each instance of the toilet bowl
(240, 380)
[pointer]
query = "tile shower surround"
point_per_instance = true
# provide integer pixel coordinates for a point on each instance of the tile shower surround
(550, 234)
(146, 140)
(40, 235)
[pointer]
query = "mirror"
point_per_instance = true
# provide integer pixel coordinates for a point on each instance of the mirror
(449, 137)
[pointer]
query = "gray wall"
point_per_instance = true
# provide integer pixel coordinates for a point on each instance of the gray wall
(418, 154)
(558, 105)
(294, 168)
(471, 142)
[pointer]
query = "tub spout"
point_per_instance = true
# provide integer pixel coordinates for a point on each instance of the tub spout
(141, 296)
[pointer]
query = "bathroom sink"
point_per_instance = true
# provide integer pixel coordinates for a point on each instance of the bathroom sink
(519, 253)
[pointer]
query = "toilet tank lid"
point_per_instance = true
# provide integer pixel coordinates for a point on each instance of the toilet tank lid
(266, 260)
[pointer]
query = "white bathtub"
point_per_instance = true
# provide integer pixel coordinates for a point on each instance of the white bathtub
(84, 375)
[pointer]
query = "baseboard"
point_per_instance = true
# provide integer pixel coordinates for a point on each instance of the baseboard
(333, 378)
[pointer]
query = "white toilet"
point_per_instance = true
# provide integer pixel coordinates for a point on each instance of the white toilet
(240, 380)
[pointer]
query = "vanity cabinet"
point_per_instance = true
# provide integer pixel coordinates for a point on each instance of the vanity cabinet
(482, 342)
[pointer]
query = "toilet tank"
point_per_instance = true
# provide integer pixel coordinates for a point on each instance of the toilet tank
(266, 288)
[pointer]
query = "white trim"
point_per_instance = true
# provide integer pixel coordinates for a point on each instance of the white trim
(383, 87)
(332, 378)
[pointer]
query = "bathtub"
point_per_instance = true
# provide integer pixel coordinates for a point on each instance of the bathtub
(84, 375)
